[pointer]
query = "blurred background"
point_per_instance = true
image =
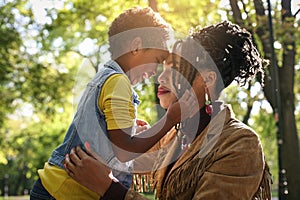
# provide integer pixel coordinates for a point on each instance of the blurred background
(49, 49)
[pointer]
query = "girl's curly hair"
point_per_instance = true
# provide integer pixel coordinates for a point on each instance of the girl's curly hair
(141, 22)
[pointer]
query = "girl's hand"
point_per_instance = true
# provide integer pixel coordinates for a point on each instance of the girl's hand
(141, 126)
(186, 107)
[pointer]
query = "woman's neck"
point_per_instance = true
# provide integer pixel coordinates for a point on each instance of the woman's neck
(194, 126)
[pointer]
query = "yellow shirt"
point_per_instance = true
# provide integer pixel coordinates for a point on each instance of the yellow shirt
(115, 101)
(62, 187)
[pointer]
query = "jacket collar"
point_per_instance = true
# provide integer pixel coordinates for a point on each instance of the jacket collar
(205, 142)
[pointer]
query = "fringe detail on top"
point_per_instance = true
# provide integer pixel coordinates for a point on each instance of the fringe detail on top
(193, 168)
(264, 189)
(156, 178)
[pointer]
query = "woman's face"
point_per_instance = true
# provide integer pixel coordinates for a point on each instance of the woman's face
(165, 92)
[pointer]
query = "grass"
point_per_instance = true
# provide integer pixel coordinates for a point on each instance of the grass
(149, 196)
(15, 198)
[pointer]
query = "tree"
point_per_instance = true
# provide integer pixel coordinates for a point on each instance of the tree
(290, 145)
(284, 106)
(8, 52)
(31, 85)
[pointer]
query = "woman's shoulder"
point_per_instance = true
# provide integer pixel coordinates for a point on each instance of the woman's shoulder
(235, 125)
(239, 129)
(240, 135)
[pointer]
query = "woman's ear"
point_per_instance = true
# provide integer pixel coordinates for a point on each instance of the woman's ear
(210, 78)
(136, 45)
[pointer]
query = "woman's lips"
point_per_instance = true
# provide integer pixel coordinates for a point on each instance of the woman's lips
(162, 90)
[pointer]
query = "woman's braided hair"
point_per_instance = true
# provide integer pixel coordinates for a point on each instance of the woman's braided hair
(226, 46)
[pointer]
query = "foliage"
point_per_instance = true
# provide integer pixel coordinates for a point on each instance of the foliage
(29, 143)
(265, 126)
(8, 51)
(182, 16)
(147, 107)
(261, 120)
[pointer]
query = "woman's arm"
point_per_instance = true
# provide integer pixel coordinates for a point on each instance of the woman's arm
(88, 169)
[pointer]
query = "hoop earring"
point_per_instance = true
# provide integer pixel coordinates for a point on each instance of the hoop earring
(208, 106)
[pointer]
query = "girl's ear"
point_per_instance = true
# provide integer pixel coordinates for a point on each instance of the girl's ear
(136, 45)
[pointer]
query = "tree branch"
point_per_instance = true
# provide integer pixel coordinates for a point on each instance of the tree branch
(236, 13)
(153, 5)
(249, 107)
(244, 7)
(296, 13)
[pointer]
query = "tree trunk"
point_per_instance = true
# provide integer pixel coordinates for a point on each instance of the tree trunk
(263, 32)
(290, 146)
(289, 149)
(237, 15)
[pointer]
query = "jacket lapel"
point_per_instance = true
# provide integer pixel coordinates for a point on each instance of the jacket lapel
(205, 142)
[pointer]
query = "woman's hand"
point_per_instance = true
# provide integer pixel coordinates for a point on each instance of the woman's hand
(88, 169)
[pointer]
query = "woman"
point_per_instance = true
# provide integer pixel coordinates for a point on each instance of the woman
(216, 155)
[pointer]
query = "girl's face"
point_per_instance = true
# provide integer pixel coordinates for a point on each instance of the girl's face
(145, 64)
(165, 92)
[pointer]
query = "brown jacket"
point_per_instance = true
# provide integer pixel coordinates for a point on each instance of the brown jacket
(224, 162)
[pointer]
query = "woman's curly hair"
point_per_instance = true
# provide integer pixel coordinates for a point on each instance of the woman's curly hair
(229, 47)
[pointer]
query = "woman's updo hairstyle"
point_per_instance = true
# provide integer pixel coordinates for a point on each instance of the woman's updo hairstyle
(228, 46)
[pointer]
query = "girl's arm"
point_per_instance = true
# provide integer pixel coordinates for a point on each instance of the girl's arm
(127, 147)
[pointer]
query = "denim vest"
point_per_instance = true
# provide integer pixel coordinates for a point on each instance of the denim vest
(89, 125)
